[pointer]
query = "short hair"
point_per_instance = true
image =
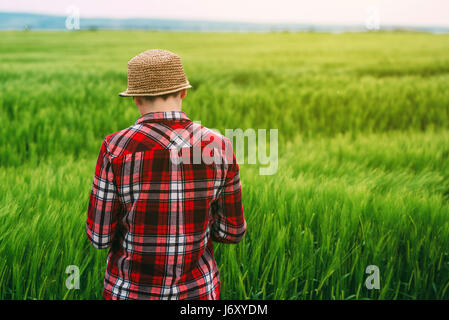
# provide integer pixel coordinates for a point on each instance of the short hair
(163, 96)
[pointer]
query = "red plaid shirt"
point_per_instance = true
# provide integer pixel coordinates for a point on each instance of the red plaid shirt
(157, 208)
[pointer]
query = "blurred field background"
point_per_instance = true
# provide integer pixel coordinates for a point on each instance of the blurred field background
(363, 174)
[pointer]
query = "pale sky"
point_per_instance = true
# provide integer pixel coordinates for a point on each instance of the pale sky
(390, 12)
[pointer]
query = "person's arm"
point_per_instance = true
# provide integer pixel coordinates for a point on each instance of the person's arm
(104, 204)
(229, 225)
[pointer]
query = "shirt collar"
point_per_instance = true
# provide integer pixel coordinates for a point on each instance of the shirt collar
(158, 116)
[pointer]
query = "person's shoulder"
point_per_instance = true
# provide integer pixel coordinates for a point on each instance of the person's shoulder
(211, 138)
(119, 143)
(209, 135)
(113, 136)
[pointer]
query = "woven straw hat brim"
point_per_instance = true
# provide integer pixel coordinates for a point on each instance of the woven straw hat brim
(152, 94)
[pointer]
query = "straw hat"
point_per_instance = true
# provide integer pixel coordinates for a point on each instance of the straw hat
(155, 72)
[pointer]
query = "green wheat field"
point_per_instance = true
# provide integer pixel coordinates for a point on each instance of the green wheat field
(363, 175)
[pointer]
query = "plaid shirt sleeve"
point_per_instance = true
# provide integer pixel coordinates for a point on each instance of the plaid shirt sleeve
(104, 204)
(229, 225)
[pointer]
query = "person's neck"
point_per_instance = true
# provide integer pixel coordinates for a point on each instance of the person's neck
(164, 106)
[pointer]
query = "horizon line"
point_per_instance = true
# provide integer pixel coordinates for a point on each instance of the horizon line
(271, 23)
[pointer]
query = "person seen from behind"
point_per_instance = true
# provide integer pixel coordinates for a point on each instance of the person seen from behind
(164, 190)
